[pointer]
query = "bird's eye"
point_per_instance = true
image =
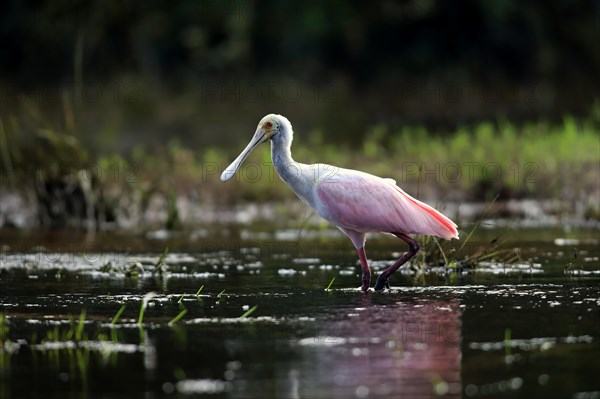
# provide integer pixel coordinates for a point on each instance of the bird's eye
(269, 124)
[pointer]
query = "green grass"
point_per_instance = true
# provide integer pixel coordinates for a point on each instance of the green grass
(249, 312)
(80, 326)
(537, 159)
(507, 338)
(117, 315)
(463, 253)
(4, 329)
(474, 164)
(160, 266)
(330, 283)
(178, 317)
(198, 292)
(219, 297)
(143, 306)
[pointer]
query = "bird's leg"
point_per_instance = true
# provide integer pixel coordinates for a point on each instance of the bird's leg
(382, 280)
(366, 272)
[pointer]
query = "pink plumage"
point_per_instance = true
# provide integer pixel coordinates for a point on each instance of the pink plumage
(356, 202)
(367, 203)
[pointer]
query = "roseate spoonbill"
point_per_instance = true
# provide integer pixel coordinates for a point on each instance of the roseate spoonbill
(355, 202)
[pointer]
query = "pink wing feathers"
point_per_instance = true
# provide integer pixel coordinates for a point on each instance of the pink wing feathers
(363, 202)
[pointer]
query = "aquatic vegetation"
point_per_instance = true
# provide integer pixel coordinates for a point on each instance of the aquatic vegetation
(198, 292)
(465, 254)
(175, 319)
(249, 312)
(117, 315)
(4, 329)
(507, 335)
(538, 159)
(147, 298)
(330, 283)
(160, 267)
(80, 326)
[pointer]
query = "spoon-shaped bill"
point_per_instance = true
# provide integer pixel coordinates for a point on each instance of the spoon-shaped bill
(259, 137)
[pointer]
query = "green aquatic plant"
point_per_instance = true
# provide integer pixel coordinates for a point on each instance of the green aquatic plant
(462, 254)
(80, 326)
(219, 296)
(178, 317)
(5, 345)
(478, 223)
(4, 329)
(117, 315)
(134, 270)
(160, 266)
(249, 312)
(198, 292)
(330, 283)
(143, 306)
(113, 331)
(507, 338)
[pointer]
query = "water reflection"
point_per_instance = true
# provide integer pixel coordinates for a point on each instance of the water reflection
(410, 348)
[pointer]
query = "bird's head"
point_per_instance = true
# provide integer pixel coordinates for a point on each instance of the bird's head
(268, 128)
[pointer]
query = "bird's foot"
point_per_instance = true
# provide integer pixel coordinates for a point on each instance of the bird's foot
(382, 282)
(366, 282)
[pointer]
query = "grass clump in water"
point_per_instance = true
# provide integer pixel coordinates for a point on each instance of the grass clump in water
(462, 254)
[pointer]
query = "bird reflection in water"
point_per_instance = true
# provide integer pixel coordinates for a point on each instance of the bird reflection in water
(408, 349)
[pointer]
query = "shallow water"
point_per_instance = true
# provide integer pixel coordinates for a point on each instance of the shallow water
(528, 329)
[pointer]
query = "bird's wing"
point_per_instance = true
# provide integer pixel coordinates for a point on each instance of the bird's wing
(364, 202)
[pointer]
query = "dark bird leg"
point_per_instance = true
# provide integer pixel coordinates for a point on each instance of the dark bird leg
(382, 280)
(366, 272)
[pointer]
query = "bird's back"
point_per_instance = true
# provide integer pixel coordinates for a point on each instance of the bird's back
(367, 203)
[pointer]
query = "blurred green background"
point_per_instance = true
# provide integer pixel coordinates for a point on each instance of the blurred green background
(106, 100)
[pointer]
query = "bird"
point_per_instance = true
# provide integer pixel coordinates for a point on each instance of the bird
(355, 202)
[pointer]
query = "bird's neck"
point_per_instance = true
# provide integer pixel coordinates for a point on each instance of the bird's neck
(281, 154)
(296, 175)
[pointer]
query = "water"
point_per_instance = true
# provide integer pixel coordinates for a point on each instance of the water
(528, 329)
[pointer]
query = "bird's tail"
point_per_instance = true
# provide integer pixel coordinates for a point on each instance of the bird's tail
(442, 225)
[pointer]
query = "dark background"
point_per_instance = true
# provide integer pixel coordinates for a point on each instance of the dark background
(206, 71)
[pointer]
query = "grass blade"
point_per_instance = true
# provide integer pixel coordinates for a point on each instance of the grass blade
(330, 283)
(198, 292)
(507, 342)
(441, 251)
(478, 223)
(160, 265)
(178, 317)
(161, 260)
(249, 312)
(145, 301)
(117, 315)
(80, 325)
